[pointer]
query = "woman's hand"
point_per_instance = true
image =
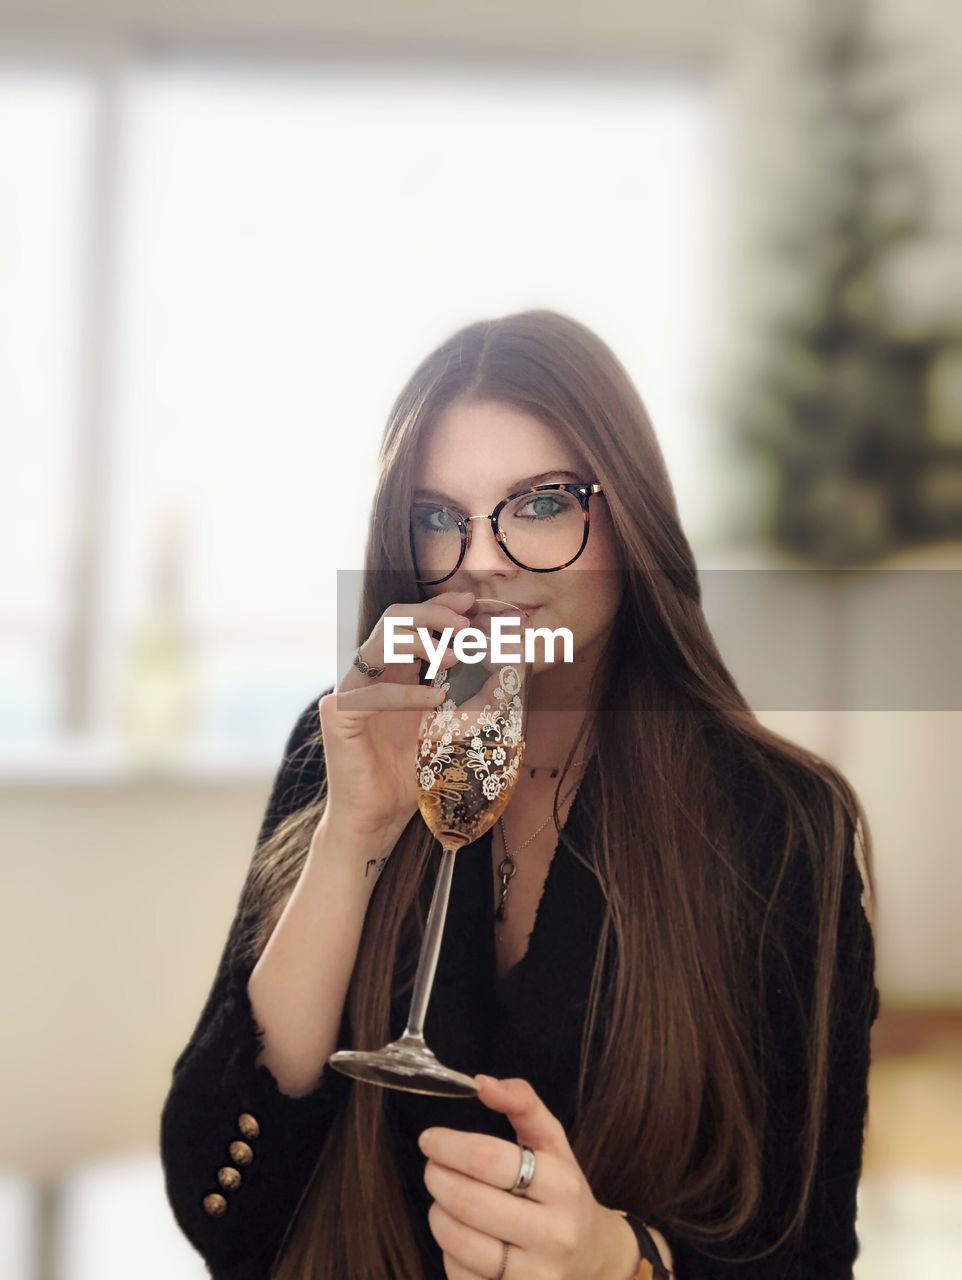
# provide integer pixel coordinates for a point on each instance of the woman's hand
(370, 726)
(557, 1230)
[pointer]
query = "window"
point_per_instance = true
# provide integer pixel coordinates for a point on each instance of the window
(283, 244)
(46, 135)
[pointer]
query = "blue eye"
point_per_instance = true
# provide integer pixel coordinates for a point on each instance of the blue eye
(542, 506)
(425, 516)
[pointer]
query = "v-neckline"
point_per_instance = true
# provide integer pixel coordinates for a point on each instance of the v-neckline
(501, 982)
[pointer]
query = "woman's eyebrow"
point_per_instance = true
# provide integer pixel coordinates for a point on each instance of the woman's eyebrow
(522, 483)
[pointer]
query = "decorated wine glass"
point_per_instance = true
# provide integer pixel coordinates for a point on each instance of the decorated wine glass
(467, 761)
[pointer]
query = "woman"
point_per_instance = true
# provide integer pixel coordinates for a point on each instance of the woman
(676, 1008)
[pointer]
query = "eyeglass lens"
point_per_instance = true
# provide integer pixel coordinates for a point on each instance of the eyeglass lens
(541, 530)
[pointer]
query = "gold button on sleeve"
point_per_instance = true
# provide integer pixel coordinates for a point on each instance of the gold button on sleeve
(228, 1177)
(240, 1153)
(214, 1204)
(247, 1124)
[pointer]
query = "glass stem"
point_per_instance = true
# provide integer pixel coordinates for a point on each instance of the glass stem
(430, 946)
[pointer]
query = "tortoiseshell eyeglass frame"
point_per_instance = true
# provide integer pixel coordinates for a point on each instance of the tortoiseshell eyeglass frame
(582, 491)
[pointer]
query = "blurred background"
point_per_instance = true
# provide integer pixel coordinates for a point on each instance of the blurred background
(227, 234)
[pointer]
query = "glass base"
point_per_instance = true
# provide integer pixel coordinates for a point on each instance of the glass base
(406, 1064)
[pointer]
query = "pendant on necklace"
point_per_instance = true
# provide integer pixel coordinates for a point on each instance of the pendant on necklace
(506, 869)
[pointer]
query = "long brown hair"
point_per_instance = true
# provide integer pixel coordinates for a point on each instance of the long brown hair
(681, 777)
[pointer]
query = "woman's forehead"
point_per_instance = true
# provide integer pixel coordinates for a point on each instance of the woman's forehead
(492, 449)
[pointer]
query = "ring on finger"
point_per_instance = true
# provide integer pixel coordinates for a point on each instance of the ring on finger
(365, 668)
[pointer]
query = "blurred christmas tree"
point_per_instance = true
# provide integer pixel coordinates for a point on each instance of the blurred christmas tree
(843, 416)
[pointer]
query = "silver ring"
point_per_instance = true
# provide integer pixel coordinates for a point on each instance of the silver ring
(521, 1183)
(525, 1172)
(365, 668)
(504, 1260)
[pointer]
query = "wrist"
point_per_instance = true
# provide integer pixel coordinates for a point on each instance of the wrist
(358, 836)
(652, 1253)
(359, 855)
(620, 1259)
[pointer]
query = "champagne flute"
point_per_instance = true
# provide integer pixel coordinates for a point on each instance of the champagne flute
(467, 763)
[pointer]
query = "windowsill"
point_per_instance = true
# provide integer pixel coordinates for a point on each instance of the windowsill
(94, 761)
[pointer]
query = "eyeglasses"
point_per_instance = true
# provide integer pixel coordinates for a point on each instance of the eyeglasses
(543, 528)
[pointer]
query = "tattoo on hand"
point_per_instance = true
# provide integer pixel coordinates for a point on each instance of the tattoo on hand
(374, 862)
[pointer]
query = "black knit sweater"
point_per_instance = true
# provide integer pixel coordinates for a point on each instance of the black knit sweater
(527, 1023)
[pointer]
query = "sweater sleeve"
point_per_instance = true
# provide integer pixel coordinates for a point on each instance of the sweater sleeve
(237, 1153)
(827, 1245)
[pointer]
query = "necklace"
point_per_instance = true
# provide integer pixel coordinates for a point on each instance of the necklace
(551, 769)
(507, 867)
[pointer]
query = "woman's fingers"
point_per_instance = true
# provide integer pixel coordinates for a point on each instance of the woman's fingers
(431, 615)
(436, 614)
(403, 673)
(380, 697)
(426, 614)
(371, 782)
(407, 641)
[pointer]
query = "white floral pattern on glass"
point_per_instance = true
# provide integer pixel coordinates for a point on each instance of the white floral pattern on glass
(501, 725)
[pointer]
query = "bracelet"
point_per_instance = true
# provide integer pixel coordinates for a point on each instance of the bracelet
(651, 1264)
